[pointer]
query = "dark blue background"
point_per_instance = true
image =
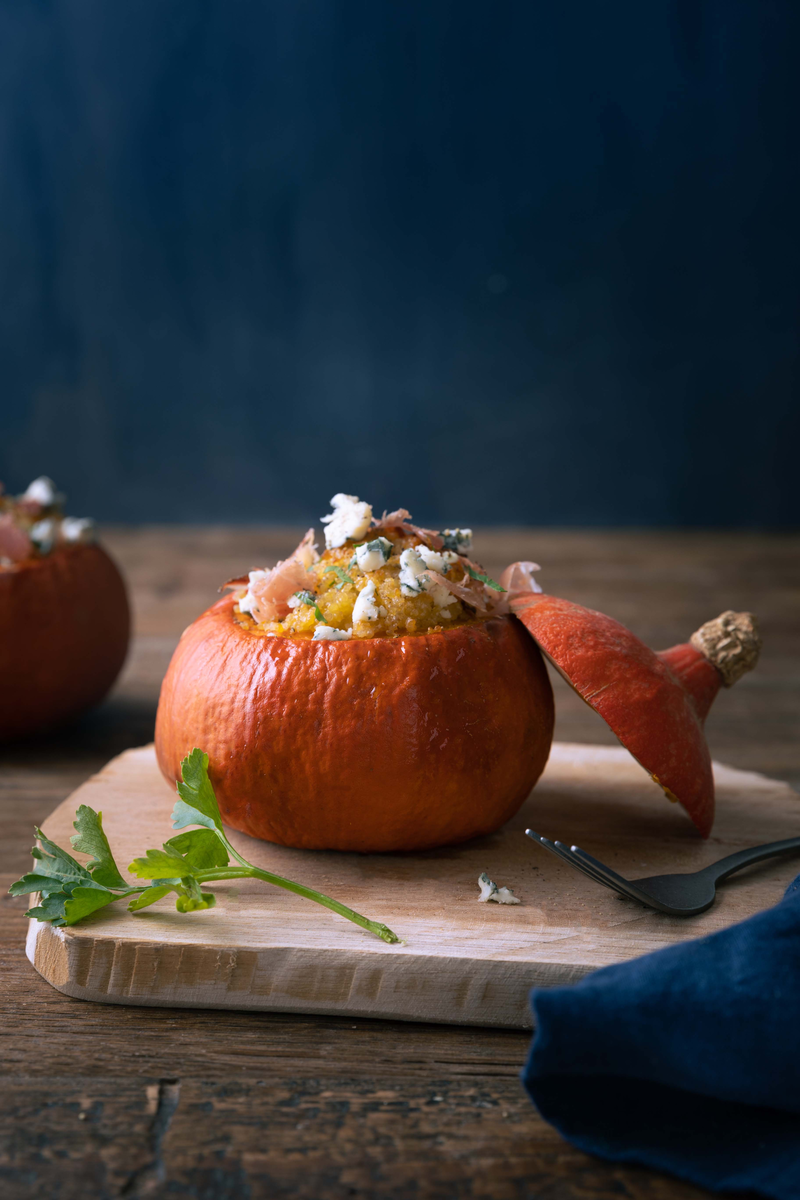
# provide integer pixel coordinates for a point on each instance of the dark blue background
(500, 262)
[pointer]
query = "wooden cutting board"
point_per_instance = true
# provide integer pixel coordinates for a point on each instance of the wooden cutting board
(462, 962)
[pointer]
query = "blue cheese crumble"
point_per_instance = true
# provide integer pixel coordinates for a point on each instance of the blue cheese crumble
(437, 560)
(457, 540)
(43, 491)
(490, 891)
(414, 563)
(370, 556)
(43, 535)
(326, 633)
(350, 518)
(78, 529)
(365, 608)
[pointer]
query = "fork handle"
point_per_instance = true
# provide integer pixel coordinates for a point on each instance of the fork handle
(734, 862)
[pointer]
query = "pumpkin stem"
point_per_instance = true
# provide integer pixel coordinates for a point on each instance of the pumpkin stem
(731, 642)
(719, 653)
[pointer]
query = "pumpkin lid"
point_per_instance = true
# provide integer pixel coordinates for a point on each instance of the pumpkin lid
(655, 703)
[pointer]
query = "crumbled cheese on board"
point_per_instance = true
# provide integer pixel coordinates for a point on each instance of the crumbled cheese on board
(490, 891)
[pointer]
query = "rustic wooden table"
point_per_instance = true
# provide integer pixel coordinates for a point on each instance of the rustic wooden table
(103, 1102)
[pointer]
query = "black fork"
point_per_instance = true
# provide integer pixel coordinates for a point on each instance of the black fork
(681, 895)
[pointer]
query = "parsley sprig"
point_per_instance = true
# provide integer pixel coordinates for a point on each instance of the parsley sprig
(485, 579)
(184, 864)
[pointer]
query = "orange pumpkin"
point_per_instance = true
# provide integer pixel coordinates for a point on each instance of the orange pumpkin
(377, 744)
(64, 629)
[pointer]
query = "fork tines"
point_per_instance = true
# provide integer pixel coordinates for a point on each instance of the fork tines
(561, 851)
(584, 862)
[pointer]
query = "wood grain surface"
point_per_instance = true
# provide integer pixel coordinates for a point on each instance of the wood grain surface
(459, 962)
(107, 1101)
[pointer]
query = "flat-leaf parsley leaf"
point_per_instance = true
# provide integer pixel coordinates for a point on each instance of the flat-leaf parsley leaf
(91, 839)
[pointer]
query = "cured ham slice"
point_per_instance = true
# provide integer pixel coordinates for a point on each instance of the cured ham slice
(398, 516)
(518, 577)
(306, 552)
(268, 592)
(14, 542)
(401, 519)
(473, 596)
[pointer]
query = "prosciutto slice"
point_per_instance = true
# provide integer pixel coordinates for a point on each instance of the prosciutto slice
(518, 577)
(401, 519)
(268, 592)
(14, 542)
(398, 517)
(473, 596)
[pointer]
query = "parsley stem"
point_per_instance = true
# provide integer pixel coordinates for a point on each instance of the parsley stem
(247, 871)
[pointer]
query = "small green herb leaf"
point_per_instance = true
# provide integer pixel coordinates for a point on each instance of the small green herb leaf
(184, 814)
(68, 892)
(91, 839)
(72, 903)
(343, 576)
(85, 900)
(159, 864)
(46, 884)
(201, 848)
(196, 792)
(149, 896)
(51, 909)
(190, 897)
(310, 599)
(187, 904)
(55, 862)
(485, 579)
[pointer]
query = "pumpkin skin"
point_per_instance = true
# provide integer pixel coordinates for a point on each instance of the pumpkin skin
(377, 744)
(64, 631)
(654, 703)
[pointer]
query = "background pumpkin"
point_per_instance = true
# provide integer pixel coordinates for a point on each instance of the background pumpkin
(372, 744)
(64, 631)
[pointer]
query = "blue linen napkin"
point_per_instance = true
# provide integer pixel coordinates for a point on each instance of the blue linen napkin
(686, 1060)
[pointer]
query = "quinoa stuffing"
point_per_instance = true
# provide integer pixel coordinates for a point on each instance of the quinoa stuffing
(375, 578)
(33, 524)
